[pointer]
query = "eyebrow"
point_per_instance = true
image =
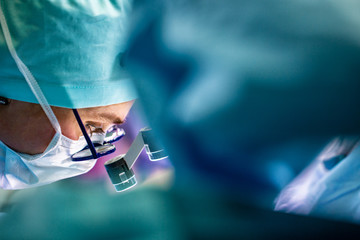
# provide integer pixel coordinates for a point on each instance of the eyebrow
(112, 118)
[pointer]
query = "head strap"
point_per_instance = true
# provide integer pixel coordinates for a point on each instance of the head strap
(33, 84)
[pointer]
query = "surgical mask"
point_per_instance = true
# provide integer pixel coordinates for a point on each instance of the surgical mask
(18, 170)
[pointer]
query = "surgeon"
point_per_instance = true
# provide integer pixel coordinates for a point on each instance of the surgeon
(61, 70)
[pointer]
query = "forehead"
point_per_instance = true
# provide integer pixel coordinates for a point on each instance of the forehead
(119, 107)
(111, 113)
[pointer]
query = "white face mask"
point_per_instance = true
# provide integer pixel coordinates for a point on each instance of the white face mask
(18, 170)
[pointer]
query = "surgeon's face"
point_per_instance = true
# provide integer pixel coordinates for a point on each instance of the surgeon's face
(25, 127)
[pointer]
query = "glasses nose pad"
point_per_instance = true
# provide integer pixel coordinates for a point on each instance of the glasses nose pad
(120, 175)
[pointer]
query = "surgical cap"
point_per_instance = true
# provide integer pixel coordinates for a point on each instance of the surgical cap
(74, 49)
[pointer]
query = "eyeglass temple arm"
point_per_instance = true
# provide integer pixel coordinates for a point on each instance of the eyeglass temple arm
(87, 138)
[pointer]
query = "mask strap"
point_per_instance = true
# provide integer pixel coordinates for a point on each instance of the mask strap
(33, 84)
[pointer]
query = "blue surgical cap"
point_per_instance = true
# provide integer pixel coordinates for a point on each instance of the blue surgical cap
(74, 49)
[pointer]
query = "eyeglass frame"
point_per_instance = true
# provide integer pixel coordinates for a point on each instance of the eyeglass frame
(91, 146)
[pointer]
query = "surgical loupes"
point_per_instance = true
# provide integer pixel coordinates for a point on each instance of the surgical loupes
(119, 168)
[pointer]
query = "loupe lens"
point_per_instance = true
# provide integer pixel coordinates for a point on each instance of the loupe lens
(155, 155)
(120, 175)
(153, 148)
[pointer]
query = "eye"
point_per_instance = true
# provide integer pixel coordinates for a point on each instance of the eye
(92, 128)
